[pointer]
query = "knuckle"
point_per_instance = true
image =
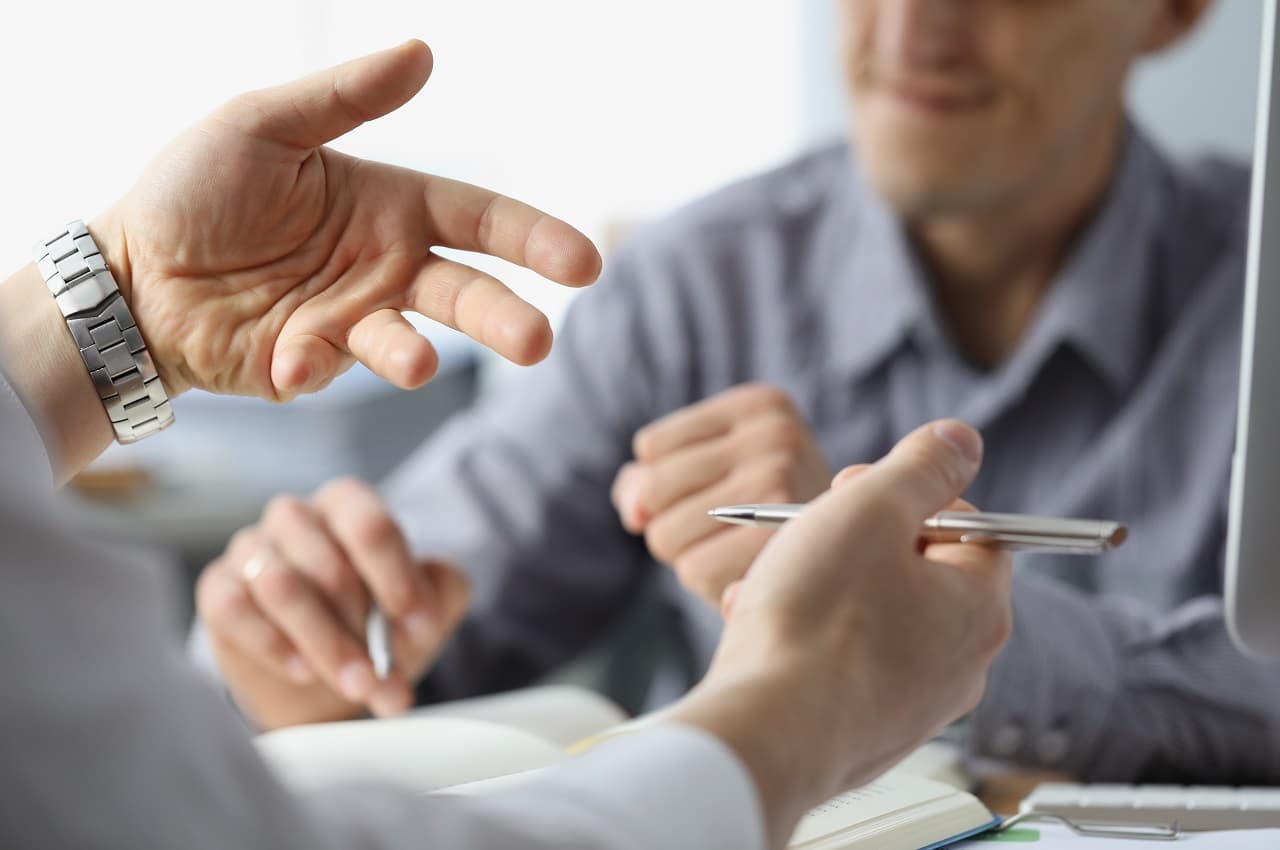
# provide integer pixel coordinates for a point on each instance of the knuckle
(218, 600)
(340, 489)
(248, 110)
(644, 442)
(770, 397)
(281, 587)
(771, 477)
(374, 530)
(335, 578)
(283, 510)
(785, 433)
(397, 594)
(243, 540)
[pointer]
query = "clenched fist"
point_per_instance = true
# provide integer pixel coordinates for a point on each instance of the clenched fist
(747, 444)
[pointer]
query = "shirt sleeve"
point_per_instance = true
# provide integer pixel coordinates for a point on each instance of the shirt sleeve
(516, 492)
(112, 740)
(25, 447)
(1109, 689)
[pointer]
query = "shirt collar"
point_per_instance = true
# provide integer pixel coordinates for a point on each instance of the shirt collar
(1098, 301)
(880, 292)
(881, 298)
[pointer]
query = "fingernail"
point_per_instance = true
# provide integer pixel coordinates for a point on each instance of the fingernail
(419, 627)
(298, 670)
(355, 681)
(253, 567)
(964, 438)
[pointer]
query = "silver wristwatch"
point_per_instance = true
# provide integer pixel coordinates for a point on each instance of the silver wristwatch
(104, 331)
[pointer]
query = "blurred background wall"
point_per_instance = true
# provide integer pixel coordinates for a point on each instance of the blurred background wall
(604, 113)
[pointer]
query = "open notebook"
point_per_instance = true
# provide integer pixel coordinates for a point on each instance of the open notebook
(500, 740)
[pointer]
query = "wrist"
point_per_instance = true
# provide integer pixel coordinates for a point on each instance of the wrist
(109, 235)
(45, 369)
(763, 719)
(112, 239)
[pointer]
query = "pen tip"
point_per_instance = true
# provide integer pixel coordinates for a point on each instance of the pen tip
(732, 512)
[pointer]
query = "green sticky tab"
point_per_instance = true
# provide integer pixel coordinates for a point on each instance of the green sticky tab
(1022, 835)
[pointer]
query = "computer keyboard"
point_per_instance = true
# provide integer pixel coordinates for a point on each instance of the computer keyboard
(1191, 807)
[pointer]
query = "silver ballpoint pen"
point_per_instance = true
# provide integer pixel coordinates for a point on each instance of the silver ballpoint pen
(1023, 532)
(378, 639)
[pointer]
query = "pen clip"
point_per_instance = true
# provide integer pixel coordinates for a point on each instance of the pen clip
(1143, 831)
(1034, 543)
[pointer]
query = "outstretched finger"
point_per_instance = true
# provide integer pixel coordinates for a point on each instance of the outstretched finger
(470, 218)
(483, 308)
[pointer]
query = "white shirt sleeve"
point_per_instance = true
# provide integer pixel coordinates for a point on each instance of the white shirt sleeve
(112, 740)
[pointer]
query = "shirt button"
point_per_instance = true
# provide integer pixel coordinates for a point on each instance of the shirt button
(1007, 740)
(1053, 746)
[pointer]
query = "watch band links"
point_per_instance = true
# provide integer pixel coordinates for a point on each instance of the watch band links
(109, 341)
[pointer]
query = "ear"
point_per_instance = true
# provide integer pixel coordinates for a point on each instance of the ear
(1171, 21)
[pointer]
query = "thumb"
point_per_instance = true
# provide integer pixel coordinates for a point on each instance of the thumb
(320, 107)
(928, 469)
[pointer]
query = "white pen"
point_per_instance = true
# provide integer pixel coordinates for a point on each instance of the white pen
(1023, 532)
(378, 639)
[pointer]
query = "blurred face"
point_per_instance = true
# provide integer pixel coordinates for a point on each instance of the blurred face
(966, 105)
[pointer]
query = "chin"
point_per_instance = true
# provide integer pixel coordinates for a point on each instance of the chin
(916, 189)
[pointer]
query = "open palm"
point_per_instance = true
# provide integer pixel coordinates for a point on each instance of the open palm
(259, 262)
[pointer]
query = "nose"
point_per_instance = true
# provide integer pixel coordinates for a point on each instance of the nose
(925, 34)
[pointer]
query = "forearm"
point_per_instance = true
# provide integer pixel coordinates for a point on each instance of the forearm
(143, 745)
(45, 367)
(787, 782)
(1110, 690)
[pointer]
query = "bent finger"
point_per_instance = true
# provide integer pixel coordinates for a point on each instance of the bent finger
(305, 363)
(373, 544)
(229, 612)
(471, 218)
(386, 343)
(299, 610)
(299, 533)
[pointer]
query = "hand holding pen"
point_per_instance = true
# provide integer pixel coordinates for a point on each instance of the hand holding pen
(320, 611)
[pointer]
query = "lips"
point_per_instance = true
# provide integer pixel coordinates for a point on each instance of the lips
(936, 95)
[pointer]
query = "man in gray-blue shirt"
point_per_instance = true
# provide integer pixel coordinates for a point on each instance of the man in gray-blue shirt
(999, 244)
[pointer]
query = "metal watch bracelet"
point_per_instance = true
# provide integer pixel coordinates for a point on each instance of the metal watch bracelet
(109, 341)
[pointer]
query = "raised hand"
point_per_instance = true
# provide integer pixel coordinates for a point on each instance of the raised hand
(259, 262)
